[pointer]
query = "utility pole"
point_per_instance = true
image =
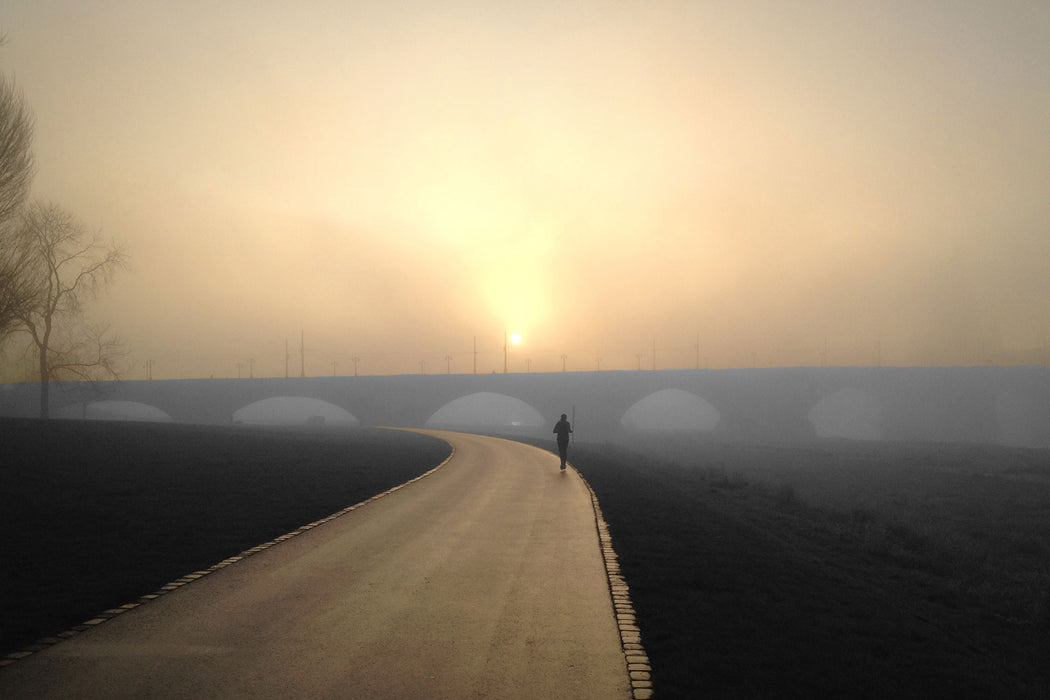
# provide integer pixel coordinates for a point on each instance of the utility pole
(251, 368)
(356, 359)
(475, 354)
(302, 353)
(504, 352)
(422, 366)
(286, 356)
(563, 358)
(149, 369)
(335, 365)
(698, 351)
(528, 364)
(639, 356)
(448, 364)
(239, 370)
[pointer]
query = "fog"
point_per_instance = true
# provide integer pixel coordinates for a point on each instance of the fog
(679, 184)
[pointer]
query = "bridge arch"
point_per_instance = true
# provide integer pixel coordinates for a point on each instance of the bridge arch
(293, 410)
(486, 409)
(672, 410)
(113, 409)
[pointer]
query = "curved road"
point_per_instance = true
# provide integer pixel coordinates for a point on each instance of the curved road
(483, 580)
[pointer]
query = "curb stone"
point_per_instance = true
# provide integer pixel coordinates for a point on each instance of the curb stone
(636, 660)
(100, 618)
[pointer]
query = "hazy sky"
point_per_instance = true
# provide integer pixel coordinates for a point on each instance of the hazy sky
(394, 179)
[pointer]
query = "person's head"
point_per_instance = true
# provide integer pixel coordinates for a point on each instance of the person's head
(563, 416)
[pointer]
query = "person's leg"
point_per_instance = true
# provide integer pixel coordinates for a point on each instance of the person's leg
(563, 449)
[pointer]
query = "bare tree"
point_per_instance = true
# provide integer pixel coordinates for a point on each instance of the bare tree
(16, 158)
(64, 264)
(88, 351)
(17, 289)
(16, 174)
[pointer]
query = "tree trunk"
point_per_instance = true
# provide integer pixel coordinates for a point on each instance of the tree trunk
(45, 376)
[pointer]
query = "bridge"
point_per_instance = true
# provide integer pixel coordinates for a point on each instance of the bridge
(1005, 405)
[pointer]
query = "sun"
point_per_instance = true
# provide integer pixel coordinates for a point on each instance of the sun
(515, 338)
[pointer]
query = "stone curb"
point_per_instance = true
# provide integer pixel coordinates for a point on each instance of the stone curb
(635, 658)
(46, 642)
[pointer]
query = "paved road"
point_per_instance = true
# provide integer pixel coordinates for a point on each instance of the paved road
(483, 580)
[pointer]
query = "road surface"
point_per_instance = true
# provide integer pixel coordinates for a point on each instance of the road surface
(483, 580)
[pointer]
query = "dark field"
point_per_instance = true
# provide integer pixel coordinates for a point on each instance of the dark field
(834, 569)
(94, 514)
(757, 570)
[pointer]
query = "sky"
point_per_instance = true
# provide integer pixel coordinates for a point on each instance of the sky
(732, 184)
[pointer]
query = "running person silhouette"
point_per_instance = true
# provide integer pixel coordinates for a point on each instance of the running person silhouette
(563, 429)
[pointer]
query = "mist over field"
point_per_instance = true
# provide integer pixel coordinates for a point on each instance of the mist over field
(782, 518)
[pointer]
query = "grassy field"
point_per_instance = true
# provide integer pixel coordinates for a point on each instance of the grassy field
(830, 569)
(94, 514)
(834, 569)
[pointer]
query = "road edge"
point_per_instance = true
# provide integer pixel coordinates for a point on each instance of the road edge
(637, 661)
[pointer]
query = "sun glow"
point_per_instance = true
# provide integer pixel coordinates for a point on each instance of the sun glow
(515, 338)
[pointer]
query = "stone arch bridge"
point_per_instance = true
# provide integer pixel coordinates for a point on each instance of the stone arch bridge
(1007, 405)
